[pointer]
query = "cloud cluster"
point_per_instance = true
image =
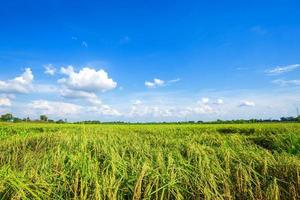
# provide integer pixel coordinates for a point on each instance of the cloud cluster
(202, 107)
(20, 84)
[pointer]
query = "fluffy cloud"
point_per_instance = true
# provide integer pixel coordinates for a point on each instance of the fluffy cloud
(49, 69)
(20, 84)
(5, 102)
(54, 108)
(282, 69)
(156, 83)
(247, 104)
(87, 79)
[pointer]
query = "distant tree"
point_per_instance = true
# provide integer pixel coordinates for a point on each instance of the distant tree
(7, 117)
(16, 119)
(43, 118)
(60, 121)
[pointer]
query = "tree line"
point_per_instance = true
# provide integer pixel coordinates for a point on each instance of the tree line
(8, 117)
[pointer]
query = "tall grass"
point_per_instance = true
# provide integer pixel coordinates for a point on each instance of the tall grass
(259, 161)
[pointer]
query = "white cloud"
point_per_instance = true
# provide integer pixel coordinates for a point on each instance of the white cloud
(84, 85)
(286, 82)
(104, 110)
(204, 100)
(137, 102)
(74, 94)
(5, 102)
(247, 104)
(54, 108)
(87, 79)
(282, 69)
(20, 84)
(219, 102)
(156, 83)
(159, 83)
(140, 110)
(50, 69)
(202, 109)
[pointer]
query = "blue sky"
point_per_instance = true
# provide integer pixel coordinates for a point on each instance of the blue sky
(150, 60)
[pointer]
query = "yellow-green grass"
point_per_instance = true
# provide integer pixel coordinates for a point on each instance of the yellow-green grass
(50, 161)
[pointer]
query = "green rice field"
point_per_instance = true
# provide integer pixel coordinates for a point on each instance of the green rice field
(68, 161)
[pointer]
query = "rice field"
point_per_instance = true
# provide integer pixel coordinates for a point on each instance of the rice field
(67, 161)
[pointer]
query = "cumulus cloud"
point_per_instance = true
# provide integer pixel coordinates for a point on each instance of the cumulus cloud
(87, 79)
(20, 84)
(50, 69)
(247, 104)
(5, 102)
(282, 82)
(282, 69)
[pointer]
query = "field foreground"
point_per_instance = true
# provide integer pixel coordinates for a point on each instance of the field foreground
(48, 161)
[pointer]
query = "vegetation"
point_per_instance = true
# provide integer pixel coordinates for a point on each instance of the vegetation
(8, 117)
(63, 161)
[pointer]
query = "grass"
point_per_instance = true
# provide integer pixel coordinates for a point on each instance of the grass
(48, 161)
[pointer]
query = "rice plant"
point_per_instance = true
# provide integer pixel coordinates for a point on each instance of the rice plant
(49, 161)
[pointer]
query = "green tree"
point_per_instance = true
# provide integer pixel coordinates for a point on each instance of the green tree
(43, 118)
(7, 117)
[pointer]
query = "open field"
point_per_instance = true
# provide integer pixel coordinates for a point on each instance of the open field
(49, 161)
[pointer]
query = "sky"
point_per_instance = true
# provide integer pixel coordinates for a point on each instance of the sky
(142, 61)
